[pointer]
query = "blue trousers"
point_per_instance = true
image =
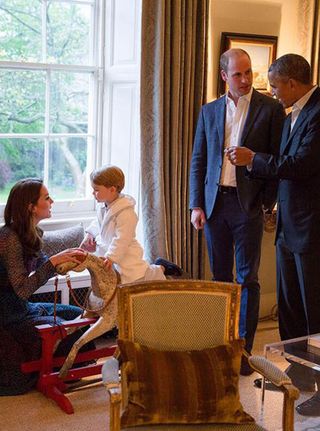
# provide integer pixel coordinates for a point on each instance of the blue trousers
(230, 234)
(39, 311)
(43, 312)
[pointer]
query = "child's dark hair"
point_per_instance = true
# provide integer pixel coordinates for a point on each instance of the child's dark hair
(108, 176)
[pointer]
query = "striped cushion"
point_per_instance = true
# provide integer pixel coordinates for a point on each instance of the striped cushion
(168, 387)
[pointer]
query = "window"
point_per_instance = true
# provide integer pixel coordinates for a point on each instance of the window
(68, 95)
(49, 86)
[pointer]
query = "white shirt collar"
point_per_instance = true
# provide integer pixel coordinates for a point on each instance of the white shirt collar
(245, 97)
(300, 104)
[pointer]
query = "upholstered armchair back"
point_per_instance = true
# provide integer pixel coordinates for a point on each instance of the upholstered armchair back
(207, 312)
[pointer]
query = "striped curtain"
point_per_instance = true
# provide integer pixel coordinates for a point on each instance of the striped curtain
(173, 88)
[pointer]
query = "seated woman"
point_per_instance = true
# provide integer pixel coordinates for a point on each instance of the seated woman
(23, 269)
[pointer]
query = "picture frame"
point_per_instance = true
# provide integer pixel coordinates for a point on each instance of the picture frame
(262, 50)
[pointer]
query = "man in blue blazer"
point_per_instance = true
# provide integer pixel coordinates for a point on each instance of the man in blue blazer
(223, 201)
(298, 222)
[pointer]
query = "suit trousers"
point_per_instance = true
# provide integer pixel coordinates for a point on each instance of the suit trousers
(298, 291)
(231, 233)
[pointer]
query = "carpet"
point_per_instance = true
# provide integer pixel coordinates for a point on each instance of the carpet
(309, 424)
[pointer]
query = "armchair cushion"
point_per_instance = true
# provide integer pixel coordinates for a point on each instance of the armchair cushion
(175, 387)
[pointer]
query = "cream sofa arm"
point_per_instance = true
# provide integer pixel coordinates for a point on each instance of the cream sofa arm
(269, 370)
(283, 381)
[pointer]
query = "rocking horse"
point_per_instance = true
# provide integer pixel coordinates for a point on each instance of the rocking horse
(100, 312)
(101, 302)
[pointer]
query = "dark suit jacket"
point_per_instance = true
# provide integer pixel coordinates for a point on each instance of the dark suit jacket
(261, 132)
(298, 169)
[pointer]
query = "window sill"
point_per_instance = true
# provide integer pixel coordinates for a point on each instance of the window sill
(67, 221)
(63, 222)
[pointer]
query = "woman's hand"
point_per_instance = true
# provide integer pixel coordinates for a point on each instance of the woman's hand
(88, 243)
(69, 255)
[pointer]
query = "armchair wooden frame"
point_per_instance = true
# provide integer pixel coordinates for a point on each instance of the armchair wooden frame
(184, 315)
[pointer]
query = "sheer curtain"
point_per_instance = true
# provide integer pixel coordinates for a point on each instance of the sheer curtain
(173, 81)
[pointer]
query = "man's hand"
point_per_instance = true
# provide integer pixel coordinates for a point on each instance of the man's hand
(240, 156)
(198, 218)
(269, 219)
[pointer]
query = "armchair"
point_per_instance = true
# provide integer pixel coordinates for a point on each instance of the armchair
(179, 317)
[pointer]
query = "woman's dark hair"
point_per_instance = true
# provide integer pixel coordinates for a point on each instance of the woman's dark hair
(18, 214)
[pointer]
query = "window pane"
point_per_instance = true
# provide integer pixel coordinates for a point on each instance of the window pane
(68, 33)
(19, 158)
(20, 30)
(69, 102)
(22, 101)
(67, 168)
(41, 98)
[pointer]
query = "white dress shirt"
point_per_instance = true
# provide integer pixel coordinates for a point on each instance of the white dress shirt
(299, 105)
(234, 123)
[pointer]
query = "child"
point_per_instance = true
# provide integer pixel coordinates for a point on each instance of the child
(113, 233)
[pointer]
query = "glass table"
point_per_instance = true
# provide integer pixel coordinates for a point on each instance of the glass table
(296, 350)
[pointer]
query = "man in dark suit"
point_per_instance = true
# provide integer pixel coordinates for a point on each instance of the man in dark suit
(298, 223)
(222, 200)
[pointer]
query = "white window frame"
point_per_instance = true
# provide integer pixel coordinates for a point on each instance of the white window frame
(114, 70)
(72, 208)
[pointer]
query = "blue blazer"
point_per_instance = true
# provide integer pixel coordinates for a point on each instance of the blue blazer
(261, 132)
(298, 169)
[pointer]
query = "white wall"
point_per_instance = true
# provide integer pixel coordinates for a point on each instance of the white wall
(122, 89)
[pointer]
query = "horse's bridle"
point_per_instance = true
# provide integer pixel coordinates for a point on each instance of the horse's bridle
(71, 290)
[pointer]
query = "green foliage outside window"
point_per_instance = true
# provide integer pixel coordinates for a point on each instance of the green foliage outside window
(41, 100)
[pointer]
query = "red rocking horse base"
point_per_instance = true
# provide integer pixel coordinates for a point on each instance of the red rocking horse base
(49, 382)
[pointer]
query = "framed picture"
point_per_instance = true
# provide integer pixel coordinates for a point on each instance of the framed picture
(262, 51)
